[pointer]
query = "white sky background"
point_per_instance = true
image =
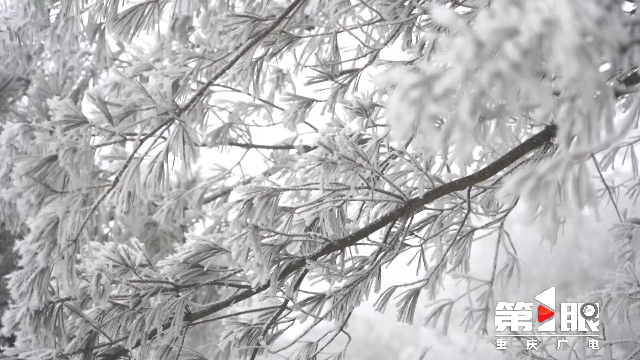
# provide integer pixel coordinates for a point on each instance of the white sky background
(577, 264)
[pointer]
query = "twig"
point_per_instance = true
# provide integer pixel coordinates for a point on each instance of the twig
(306, 148)
(275, 317)
(234, 314)
(606, 186)
(455, 238)
(240, 54)
(118, 176)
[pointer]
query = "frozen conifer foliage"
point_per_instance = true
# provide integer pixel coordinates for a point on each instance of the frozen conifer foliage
(220, 179)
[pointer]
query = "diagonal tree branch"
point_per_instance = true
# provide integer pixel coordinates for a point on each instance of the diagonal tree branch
(412, 206)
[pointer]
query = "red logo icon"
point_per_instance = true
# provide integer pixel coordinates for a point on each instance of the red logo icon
(544, 314)
(546, 310)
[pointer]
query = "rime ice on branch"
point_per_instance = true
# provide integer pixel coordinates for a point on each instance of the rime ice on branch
(142, 241)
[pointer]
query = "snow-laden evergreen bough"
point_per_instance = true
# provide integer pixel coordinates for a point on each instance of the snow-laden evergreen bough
(415, 127)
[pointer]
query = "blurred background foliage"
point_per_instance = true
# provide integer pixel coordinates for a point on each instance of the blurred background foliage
(7, 265)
